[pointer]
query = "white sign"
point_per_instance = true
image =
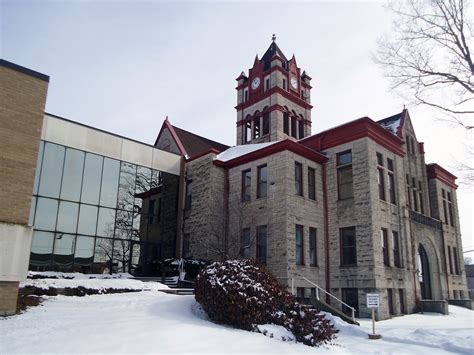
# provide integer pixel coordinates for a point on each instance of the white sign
(373, 300)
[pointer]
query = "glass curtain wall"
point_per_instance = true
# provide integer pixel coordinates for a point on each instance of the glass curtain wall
(96, 214)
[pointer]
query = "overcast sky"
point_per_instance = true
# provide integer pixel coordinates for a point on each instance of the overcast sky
(123, 66)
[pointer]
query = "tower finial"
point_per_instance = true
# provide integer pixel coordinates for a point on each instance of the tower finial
(274, 38)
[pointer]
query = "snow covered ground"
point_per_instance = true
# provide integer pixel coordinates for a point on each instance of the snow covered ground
(155, 322)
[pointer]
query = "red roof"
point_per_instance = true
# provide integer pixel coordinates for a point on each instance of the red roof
(436, 171)
(351, 131)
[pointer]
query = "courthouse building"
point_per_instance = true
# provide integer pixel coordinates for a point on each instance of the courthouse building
(353, 209)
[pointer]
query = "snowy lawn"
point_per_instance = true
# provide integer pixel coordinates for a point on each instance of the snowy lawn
(155, 322)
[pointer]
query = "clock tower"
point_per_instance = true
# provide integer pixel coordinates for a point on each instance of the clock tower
(273, 100)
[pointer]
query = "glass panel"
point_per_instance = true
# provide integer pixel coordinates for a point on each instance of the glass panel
(124, 222)
(32, 211)
(143, 179)
(84, 255)
(102, 255)
(127, 186)
(72, 176)
(122, 255)
(106, 222)
(63, 251)
(110, 177)
(87, 220)
(39, 161)
(41, 250)
(51, 172)
(156, 178)
(46, 211)
(91, 181)
(67, 217)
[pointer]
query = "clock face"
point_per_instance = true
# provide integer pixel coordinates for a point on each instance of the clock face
(294, 82)
(256, 83)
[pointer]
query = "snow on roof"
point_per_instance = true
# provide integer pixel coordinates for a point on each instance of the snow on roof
(238, 151)
(391, 124)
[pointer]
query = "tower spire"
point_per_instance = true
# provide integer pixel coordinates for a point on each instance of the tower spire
(274, 38)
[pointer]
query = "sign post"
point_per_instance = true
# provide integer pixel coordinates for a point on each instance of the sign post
(373, 301)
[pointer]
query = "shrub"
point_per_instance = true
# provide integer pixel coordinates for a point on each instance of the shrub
(243, 294)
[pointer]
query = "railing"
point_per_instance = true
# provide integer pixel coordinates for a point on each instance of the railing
(318, 288)
(427, 221)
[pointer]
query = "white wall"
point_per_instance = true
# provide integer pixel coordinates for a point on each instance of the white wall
(15, 243)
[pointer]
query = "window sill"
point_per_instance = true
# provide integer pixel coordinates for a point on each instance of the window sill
(348, 266)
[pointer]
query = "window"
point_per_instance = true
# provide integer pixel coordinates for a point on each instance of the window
(301, 129)
(286, 123)
(401, 296)
(245, 251)
(293, 127)
(256, 127)
(420, 198)
(299, 245)
(189, 194)
(248, 131)
(313, 256)
(450, 260)
(351, 297)
(262, 244)
(246, 184)
(384, 237)
(246, 95)
(391, 182)
(284, 84)
(396, 249)
(311, 184)
(415, 199)
(300, 292)
(302, 95)
(450, 209)
(348, 246)
(380, 176)
(456, 261)
(266, 123)
(298, 179)
(344, 175)
(391, 309)
(151, 211)
(267, 84)
(262, 181)
(381, 183)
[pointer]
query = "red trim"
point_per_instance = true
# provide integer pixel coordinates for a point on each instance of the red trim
(210, 151)
(326, 232)
(351, 131)
(421, 147)
(435, 171)
(167, 124)
(256, 97)
(272, 149)
(272, 108)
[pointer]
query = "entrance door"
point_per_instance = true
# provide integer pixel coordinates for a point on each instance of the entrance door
(424, 276)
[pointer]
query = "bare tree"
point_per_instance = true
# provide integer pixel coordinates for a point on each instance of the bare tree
(428, 56)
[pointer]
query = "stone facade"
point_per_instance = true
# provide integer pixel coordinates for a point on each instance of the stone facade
(402, 218)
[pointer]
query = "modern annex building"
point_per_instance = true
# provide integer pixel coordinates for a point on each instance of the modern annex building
(353, 209)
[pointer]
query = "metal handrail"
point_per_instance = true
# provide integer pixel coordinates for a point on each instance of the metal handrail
(317, 292)
(330, 294)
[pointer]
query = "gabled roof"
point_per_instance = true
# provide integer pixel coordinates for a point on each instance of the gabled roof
(190, 144)
(195, 144)
(270, 53)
